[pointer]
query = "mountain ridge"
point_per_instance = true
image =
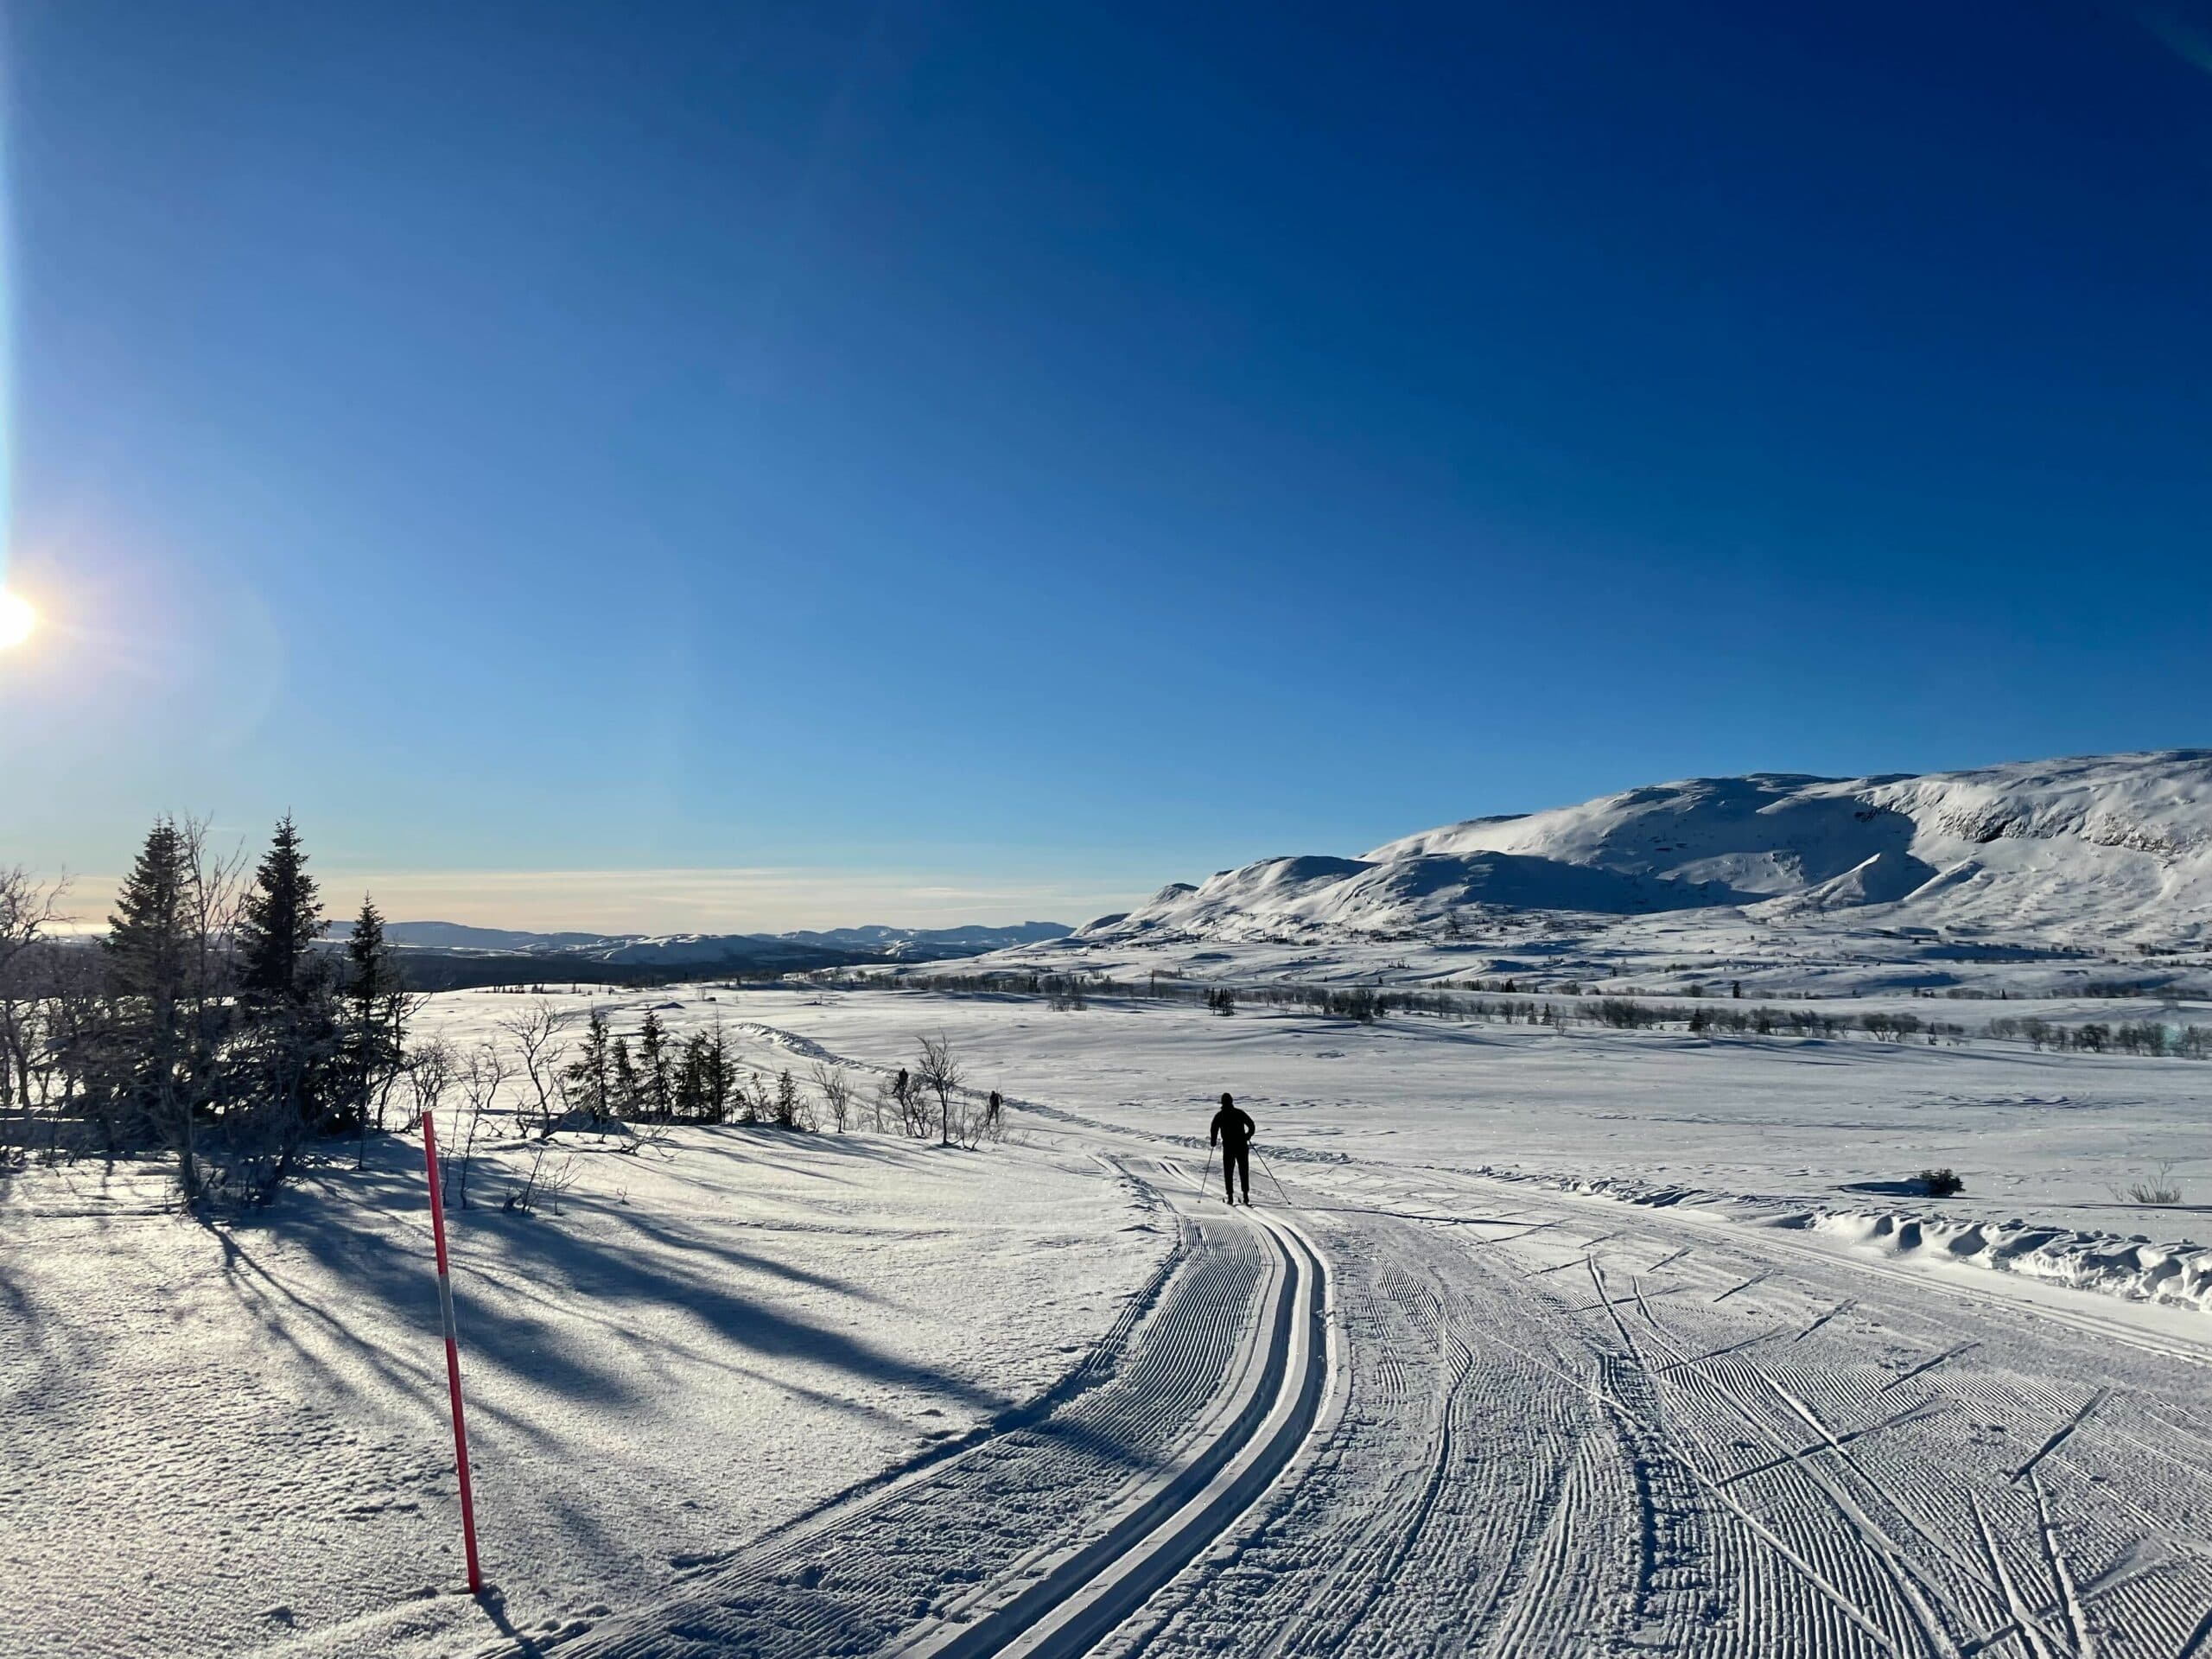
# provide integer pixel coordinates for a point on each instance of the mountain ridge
(2118, 846)
(874, 941)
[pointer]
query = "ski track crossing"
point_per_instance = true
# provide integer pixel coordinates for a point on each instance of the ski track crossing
(1427, 1413)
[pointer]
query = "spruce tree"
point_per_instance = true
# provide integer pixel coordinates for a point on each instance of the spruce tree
(691, 1081)
(591, 1071)
(148, 949)
(295, 1038)
(372, 998)
(146, 942)
(655, 1086)
(625, 1092)
(720, 1074)
(283, 920)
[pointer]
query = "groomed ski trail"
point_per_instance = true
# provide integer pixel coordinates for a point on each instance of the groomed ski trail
(1039, 1540)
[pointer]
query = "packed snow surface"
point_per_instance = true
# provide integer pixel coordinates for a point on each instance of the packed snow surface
(231, 1439)
(1632, 1341)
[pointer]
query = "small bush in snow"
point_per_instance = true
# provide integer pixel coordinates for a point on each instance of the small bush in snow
(1942, 1183)
(836, 1090)
(2162, 1189)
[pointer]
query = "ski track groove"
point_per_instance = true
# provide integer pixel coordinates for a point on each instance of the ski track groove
(2064, 1434)
(2077, 1622)
(1922, 1370)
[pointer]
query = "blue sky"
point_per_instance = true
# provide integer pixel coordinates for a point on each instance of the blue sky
(936, 460)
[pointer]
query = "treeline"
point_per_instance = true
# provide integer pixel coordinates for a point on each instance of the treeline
(206, 1023)
(1699, 1016)
(2148, 1037)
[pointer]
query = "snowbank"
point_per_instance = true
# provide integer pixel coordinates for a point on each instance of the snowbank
(2178, 1274)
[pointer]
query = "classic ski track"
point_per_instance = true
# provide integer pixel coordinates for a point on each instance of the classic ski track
(1195, 1404)
(1071, 1609)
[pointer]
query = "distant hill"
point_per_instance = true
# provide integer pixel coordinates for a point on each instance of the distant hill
(440, 955)
(455, 936)
(2100, 850)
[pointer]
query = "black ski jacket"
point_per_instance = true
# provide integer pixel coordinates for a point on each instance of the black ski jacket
(1231, 1125)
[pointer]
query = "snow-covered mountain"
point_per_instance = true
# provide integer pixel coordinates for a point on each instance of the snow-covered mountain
(2094, 851)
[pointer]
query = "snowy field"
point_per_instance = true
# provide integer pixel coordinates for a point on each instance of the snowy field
(2049, 1141)
(1632, 1342)
(234, 1441)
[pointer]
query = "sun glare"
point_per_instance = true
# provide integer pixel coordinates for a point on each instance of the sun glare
(17, 620)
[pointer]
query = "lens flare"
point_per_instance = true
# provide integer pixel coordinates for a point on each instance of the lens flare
(17, 620)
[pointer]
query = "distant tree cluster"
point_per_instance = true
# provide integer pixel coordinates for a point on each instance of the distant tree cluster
(208, 1024)
(605, 1078)
(2146, 1037)
(1508, 1001)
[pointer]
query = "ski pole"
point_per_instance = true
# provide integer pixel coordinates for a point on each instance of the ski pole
(1208, 1176)
(1276, 1178)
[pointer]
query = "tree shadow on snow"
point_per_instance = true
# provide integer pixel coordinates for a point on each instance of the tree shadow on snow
(526, 1284)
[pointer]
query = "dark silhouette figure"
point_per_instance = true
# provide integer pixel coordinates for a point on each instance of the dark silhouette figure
(1232, 1131)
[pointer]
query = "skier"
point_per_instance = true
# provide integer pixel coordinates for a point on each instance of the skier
(1232, 1131)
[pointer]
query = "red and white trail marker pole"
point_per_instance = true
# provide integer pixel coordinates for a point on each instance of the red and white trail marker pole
(453, 1355)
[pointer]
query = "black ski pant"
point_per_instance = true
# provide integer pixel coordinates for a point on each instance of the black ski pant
(1236, 1162)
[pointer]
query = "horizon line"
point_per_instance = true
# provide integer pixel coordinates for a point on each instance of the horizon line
(673, 899)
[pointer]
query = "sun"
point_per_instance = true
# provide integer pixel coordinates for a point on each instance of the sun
(17, 620)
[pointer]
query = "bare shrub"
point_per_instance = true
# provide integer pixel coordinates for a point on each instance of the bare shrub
(482, 1074)
(906, 1101)
(2160, 1189)
(540, 1055)
(29, 909)
(558, 1180)
(940, 1071)
(835, 1085)
(432, 1069)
